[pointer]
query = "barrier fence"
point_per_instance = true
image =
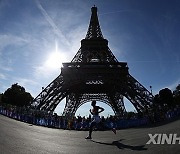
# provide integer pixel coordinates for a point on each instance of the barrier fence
(42, 118)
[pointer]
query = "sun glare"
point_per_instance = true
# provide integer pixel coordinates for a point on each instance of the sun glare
(55, 59)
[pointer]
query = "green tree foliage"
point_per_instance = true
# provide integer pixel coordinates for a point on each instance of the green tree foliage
(130, 115)
(176, 94)
(16, 95)
(0, 98)
(166, 97)
(156, 99)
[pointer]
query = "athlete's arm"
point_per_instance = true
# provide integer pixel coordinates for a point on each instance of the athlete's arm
(101, 109)
(90, 111)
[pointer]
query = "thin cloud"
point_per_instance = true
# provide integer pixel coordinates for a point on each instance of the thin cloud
(8, 39)
(52, 24)
(30, 85)
(174, 85)
(2, 76)
(5, 68)
(44, 72)
(120, 11)
(6, 57)
(25, 81)
(171, 86)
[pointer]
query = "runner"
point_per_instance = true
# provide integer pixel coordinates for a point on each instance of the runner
(96, 118)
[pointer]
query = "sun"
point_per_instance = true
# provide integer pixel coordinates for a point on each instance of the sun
(55, 59)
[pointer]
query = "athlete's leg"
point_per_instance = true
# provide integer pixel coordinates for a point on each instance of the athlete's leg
(113, 128)
(90, 130)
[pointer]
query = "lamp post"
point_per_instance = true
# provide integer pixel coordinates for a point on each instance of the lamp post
(151, 89)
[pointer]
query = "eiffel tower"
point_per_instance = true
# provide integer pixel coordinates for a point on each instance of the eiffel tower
(94, 74)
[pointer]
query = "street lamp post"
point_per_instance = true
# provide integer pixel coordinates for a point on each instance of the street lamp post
(151, 89)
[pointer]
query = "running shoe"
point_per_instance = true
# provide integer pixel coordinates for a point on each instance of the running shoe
(88, 137)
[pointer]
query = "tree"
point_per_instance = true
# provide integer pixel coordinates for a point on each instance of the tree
(130, 115)
(156, 100)
(16, 95)
(0, 98)
(176, 94)
(166, 97)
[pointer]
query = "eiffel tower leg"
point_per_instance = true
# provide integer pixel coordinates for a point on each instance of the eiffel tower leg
(117, 104)
(138, 95)
(71, 105)
(50, 97)
(120, 105)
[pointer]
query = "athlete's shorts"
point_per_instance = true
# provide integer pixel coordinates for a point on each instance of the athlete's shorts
(96, 118)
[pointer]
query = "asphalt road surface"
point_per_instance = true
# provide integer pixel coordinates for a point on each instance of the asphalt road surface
(21, 138)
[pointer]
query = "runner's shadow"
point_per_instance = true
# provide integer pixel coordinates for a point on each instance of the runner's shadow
(123, 146)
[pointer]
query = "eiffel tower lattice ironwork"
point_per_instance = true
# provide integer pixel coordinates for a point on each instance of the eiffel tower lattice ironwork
(94, 74)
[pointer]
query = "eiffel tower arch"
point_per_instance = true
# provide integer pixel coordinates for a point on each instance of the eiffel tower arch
(94, 74)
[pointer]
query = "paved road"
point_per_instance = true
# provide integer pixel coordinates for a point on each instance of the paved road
(22, 138)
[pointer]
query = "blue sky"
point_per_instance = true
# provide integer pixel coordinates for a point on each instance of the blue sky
(36, 36)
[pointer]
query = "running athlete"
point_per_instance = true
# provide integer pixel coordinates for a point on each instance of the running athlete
(96, 118)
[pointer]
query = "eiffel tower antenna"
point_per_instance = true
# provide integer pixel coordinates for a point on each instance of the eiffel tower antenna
(94, 48)
(94, 30)
(94, 74)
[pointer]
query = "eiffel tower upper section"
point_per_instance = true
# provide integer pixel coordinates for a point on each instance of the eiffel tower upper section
(94, 48)
(94, 30)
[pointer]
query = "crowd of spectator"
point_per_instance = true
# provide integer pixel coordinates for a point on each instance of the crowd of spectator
(42, 118)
